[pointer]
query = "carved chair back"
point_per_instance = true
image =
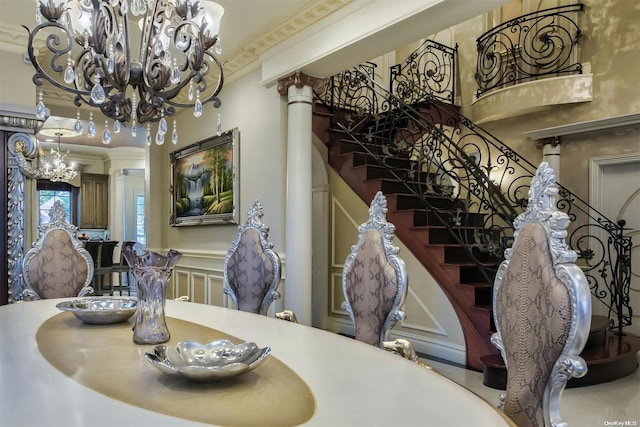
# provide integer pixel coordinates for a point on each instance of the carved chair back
(57, 265)
(542, 309)
(374, 278)
(251, 267)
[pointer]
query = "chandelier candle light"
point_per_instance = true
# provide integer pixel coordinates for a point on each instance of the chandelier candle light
(89, 56)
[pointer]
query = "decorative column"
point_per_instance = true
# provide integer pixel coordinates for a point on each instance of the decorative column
(551, 153)
(21, 148)
(299, 89)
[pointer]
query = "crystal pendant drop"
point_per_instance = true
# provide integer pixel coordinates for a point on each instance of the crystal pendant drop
(97, 92)
(78, 127)
(190, 93)
(143, 7)
(121, 35)
(218, 47)
(106, 134)
(134, 129)
(113, 2)
(135, 9)
(69, 74)
(38, 15)
(116, 124)
(197, 110)
(124, 7)
(148, 135)
(219, 126)
(111, 63)
(159, 138)
(174, 134)
(91, 130)
(162, 126)
(158, 48)
(41, 110)
(175, 73)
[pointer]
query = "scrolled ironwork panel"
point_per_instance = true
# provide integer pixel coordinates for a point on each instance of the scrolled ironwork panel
(530, 46)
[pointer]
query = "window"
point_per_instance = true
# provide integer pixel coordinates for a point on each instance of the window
(49, 192)
(140, 235)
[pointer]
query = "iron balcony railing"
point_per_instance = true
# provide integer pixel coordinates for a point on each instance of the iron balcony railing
(532, 46)
(471, 182)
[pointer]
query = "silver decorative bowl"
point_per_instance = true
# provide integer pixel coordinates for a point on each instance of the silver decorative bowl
(216, 361)
(101, 310)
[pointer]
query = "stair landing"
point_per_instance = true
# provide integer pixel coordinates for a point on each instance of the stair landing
(609, 357)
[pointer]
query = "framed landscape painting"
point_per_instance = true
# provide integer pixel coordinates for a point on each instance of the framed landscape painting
(204, 183)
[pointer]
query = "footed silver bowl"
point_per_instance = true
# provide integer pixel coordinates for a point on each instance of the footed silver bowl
(215, 361)
(101, 310)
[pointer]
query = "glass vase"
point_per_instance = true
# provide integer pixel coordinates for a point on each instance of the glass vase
(151, 272)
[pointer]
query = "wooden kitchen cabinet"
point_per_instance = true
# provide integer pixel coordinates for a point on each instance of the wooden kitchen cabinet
(94, 201)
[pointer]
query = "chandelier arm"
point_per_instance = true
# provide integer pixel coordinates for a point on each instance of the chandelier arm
(53, 40)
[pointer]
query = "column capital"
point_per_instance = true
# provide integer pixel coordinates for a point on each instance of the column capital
(20, 122)
(300, 79)
(553, 141)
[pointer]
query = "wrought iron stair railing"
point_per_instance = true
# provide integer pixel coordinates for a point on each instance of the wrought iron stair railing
(471, 182)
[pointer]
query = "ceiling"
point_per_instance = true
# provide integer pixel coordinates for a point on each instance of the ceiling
(248, 28)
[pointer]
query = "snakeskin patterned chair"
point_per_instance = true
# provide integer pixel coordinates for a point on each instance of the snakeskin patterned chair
(374, 278)
(57, 265)
(541, 308)
(251, 267)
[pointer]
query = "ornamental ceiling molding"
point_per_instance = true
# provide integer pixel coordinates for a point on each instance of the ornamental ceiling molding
(14, 38)
(281, 31)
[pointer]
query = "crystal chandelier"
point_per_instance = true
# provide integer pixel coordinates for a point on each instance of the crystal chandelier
(89, 55)
(58, 170)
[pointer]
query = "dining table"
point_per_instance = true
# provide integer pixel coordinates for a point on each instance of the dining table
(56, 370)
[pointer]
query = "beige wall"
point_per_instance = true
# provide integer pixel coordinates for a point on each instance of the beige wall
(16, 86)
(610, 44)
(260, 116)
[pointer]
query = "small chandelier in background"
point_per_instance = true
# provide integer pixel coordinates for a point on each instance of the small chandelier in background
(58, 170)
(90, 57)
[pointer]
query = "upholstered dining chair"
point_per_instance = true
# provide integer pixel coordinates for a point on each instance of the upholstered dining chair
(374, 278)
(251, 267)
(541, 308)
(57, 265)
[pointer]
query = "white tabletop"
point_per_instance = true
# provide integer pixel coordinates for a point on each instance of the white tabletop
(353, 383)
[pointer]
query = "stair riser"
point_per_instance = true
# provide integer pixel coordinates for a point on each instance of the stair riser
(459, 255)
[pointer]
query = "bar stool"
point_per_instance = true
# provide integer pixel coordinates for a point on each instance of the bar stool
(125, 277)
